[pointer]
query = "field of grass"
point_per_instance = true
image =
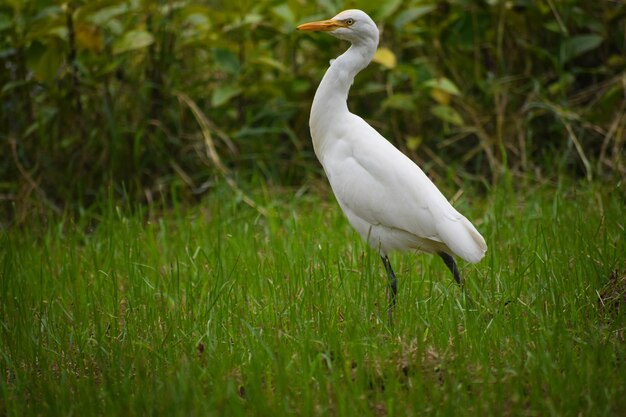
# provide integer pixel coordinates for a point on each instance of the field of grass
(219, 310)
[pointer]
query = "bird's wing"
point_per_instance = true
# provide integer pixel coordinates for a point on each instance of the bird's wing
(382, 186)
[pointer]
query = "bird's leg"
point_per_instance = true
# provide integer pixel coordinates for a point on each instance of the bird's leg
(393, 290)
(451, 264)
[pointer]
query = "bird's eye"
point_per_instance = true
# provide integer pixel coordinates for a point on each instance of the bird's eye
(349, 22)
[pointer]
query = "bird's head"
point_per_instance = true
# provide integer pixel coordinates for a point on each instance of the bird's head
(350, 25)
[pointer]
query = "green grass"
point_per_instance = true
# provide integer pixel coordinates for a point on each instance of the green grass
(217, 310)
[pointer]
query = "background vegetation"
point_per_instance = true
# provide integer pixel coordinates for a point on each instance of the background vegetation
(142, 99)
(120, 296)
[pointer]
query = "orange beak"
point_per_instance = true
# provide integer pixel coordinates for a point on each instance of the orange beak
(322, 25)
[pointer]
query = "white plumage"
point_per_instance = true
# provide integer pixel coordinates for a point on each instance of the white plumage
(386, 197)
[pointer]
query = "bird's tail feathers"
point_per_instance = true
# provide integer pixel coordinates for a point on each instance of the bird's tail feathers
(463, 239)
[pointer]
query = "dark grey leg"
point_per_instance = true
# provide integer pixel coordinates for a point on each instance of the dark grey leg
(393, 290)
(449, 261)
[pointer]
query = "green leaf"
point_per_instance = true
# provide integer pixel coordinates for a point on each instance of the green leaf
(171, 7)
(412, 14)
(553, 26)
(199, 21)
(12, 85)
(250, 19)
(226, 60)
(387, 9)
(49, 13)
(223, 94)
(115, 27)
(443, 84)
(133, 40)
(578, 45)
(562, 84)
(44, 61)
(49, 29)
(447, 114)
(253, 19)
(400, 102)
(101, 16)
(195, 27)
(285, 13)
(270, 62)
(5, 22)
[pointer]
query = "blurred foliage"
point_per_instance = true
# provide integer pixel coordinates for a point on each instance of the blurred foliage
(144, 99)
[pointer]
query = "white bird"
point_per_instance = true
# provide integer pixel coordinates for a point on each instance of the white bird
(386, 197)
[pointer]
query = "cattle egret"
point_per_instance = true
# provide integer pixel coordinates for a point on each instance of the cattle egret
(386, 197)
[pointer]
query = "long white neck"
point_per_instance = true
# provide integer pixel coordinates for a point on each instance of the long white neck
(330, 102)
